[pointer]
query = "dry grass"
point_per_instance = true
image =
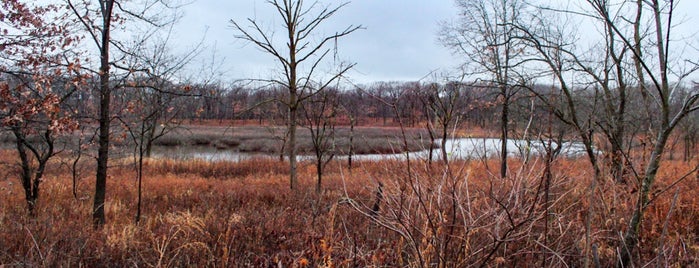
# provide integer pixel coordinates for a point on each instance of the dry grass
(201, 214)
(269, 139)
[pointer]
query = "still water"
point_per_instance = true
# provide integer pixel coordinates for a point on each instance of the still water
(462, 148)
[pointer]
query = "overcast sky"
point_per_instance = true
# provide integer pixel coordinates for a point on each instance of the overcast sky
(398, 42)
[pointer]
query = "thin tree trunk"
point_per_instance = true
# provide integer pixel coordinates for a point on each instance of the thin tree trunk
(444, 143)
(75, 169)
(31, 184)
(292, 144)
(666, 126)
(319, 171)
(150, 134)
(430, 131)
(632, 230)
(503, 136)
(139, 172)
(351, 144)
(25, 176)
(294, 101)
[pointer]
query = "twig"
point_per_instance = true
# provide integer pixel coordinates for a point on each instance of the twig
(553, 252)
(35, 244)
(671, 186)
(661, 240)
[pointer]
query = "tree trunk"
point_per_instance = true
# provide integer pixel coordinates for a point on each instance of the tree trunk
(102, 153)
(149, 139)
(31, 186)
(319, 171)
(282, 150)
(631, 236)
(430, 131)
(503, 135)
(25, 176)
(617, 164)
(293, 113)
(294, 101)
(149, 149)
(140, 182)
(351, 144)
(98, 218)
(445, 133)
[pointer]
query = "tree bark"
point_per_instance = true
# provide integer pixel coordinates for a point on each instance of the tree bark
(31, 184)
(25, 175)
(293, 114)
(445, 135)
(351, 144)
(504, 127)
(98, 218)
(319, 171)
(631, 236)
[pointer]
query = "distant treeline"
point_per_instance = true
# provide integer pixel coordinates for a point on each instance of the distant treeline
(475, 104)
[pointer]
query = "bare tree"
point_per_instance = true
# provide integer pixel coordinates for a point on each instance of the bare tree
(151, 109)
(100, 29)
(659, 69)
(155, 92)
(553, 46)
(354, 105)
(320, 112)
(97, 20)
(446, 106)
(299, 57)
(486, 36)
(657, 76)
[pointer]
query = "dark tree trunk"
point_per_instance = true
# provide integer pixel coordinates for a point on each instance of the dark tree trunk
(140, 182)
(632, 230)
(149, 139)
(30, 191)
(617, 164)
(445, 134)
(31, 184)
(503, 135)
(430, 131)
(351, 144)
(319, 171)
(293, 113)
(98, 218)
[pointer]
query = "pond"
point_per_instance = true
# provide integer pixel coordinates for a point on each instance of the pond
(461, 148)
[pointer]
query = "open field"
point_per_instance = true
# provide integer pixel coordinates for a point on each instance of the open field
(200, 214)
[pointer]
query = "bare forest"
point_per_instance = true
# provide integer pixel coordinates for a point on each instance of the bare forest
(546, 144)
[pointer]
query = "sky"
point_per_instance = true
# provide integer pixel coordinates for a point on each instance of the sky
(398, 42)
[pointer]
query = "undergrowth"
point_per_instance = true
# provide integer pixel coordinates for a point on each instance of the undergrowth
(202, 214)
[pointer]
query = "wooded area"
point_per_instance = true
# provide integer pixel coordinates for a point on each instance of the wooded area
(89, 88)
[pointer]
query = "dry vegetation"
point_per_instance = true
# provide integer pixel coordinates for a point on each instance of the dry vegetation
(270, 139)
(243, 215)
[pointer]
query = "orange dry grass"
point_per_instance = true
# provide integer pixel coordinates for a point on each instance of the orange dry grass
(243, 214)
